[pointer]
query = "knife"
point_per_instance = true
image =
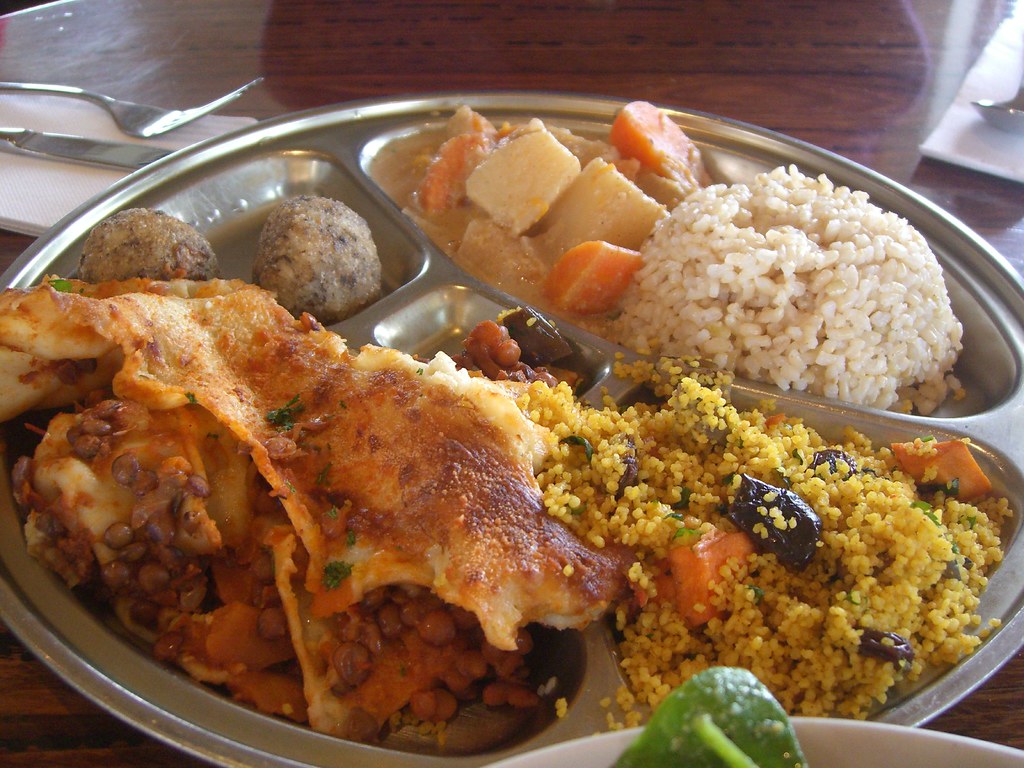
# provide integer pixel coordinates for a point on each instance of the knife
(79, 149)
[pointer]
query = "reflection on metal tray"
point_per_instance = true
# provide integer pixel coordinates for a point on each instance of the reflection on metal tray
(226, 188)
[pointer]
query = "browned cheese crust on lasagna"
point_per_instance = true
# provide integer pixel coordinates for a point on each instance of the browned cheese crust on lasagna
(391, 470)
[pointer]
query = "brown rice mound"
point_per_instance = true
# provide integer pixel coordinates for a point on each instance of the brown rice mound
(796, 282)
(888, 559)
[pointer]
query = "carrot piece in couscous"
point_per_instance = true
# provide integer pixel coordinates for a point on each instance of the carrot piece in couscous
(696, 569)
(948, 463)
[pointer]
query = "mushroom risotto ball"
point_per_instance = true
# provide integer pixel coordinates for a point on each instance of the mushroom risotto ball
(318, 256)
(140, 242)
(794, 281)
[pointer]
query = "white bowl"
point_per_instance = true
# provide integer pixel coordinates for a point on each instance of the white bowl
(827, 743)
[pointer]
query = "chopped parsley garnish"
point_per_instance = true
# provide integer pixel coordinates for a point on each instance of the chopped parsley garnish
(321, 476)
(284, 417)
(332, 513)
(336, 572)
(190, 396)
(60, 284)
(577, 440)
(727, 480)
(684, 499)
(350, 538)
(758, 593)
(684, 531)
(953, 487)
(925, 507)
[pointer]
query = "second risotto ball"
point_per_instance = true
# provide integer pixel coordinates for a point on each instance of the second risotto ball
(318, 256)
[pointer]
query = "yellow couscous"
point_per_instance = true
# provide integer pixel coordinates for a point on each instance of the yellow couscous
(890, 564)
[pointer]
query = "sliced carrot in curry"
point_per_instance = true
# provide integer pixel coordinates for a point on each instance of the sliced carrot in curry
(942, 463)
(444, 185)
(695, 570)
(592, 276)
(645, 132)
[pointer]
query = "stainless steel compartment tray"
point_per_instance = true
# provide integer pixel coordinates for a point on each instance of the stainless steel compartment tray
(227, 186)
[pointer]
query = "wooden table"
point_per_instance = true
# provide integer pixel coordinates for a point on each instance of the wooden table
(865, 79)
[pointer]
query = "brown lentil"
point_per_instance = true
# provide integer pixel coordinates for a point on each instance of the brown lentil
(389, 619)
(436, 627)
(197, 486)
(272, 623)
(153, 577)
(434, 705)
(352, 663)
(125, 469)
(118, 535)
(280, 447)
(115, 574)
(361, 725)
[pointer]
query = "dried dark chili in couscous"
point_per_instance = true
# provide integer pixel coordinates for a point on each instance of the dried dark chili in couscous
(886, 565)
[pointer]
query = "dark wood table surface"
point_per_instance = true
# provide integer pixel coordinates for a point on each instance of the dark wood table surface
(866, 79)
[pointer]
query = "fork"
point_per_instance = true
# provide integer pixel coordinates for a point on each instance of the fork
(139, 120)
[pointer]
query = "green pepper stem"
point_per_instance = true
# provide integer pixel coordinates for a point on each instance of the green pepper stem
(716, 740)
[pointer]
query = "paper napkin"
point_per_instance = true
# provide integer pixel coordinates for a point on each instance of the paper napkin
(962, 136)
(35, 192)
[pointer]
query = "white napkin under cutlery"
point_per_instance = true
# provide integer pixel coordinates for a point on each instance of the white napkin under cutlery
(37, 192)
(962, 136)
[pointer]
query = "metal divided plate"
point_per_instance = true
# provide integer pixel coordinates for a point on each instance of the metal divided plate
(227, 186)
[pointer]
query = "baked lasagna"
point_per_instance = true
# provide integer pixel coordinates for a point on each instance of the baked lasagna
(333, 535)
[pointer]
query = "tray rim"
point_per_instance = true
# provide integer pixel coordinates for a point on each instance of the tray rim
(42, 638)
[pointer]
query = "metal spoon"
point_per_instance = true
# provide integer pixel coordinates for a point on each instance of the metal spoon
(1004, 115)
